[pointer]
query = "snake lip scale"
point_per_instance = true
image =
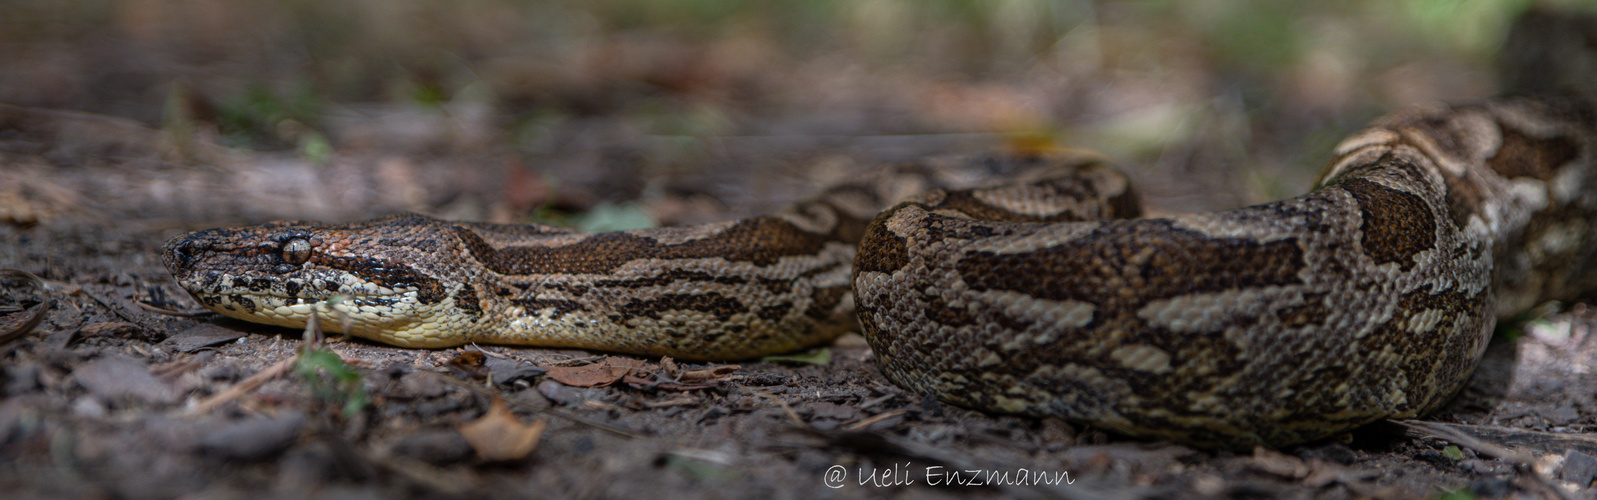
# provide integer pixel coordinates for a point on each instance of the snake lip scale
(1372, 296)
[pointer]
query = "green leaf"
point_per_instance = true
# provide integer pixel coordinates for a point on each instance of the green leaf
(1452, 451)
(1459, 494)
(315, 147)
(331, 380)
(615, 217)
(820, 356)
(698, 469)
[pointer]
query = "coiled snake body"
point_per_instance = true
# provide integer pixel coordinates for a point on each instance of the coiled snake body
(1372, 296)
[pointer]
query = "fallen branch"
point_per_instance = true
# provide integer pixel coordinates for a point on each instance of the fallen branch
(247, 386)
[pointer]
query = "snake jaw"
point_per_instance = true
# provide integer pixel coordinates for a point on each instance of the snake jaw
(386, 315)
(284, 273)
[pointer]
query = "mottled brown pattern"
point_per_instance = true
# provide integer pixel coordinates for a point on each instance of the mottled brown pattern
(720, 291)
(1397, 226)
(1464, 199)
(881, 251)
(712, 303)
(965, 202)
(1313, 311)
(762, 241)
(824, 300)
(1266, 325)
(1537, 158)
(1143, 260)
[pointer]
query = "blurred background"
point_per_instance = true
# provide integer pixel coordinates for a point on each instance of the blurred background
(687, 110)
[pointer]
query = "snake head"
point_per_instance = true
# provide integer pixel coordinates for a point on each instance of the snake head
(387, 279)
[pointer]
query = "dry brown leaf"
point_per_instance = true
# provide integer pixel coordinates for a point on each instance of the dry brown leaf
(714, 373)
(107, 329)
(1277, 463)
(643, 383)
(470, 363)
(499, 436)
(599, 374)
(684, 379)
(468, 359)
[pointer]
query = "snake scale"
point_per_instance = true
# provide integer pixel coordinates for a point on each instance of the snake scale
(1371, 296)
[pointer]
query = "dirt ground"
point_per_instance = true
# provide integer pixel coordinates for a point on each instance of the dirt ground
(112, 396)
(109, 147)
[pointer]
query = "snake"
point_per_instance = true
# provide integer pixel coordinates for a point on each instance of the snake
(1024, 283)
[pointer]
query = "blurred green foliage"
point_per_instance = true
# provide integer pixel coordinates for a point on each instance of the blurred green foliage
(687, 70)
(263, 117)
(821, 356)
(365, 50)
(332, 381)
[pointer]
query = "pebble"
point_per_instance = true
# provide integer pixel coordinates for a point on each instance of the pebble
(117, 378)
(1579, 468)
(314, 464)
(89, 407)
(421, 385)
(1560, 415)
(200, 337)
(21, 380)
(1484, 467)
(824, 409)
(506, 371)
(1491, 487)
(306, 467)
(559, 393)
(442, 447)
(1334, 453)
(255, 438)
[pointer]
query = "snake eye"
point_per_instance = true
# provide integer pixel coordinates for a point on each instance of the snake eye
(297, 251)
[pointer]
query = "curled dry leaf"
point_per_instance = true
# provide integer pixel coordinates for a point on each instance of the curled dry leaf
(15, 326)
(468, 359)
(470, 363)
(1279, 464)
(714, 373)
(108, 329)
(599, 374)
(643, 383)
(499, 436)
(684, 376)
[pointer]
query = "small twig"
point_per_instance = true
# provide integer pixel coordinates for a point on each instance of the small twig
(312, 332)
(1466, 436)
(873, 402)
(872, 420)
(586, 360)
(791, 415)
(313, 337)
(114, 310)
(247, 386)
(683, 400)
(170, 312)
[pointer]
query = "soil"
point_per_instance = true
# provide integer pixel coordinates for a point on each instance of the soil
(112, 395)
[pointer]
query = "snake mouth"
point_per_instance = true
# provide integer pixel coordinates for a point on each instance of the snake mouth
(294, 300)
(300, 289)
(354, 314)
